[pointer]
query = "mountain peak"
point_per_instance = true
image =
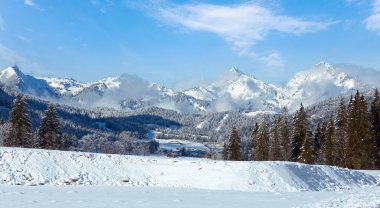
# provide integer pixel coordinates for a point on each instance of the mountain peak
(325, 66)
(234, 69)
(11, 72)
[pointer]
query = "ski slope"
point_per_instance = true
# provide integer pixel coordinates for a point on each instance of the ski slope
(42, 167)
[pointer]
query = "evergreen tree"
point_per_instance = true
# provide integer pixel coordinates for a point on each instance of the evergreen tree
(375, 126)
(49, 131)
(327, 148)
(360, 147)
(20, 126)
(340, 144)
(306, 151)
(225, 152)
(301, 132)
(285, 134)
(254, 141)
(262, 147)
(234, 146)
(316, 142)
(275, 153)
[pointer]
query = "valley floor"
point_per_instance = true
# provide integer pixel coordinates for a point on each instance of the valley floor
(144, 197)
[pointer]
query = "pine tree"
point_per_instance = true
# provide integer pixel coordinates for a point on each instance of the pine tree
(340, 144)
(327, 148)
(20, 126)
(49, 131)
(225, 152)
(275, 153)
(375, 126)
(301, 132)
(262, 147)
(285, 134)
(254, 141)
(306, 151)
(234, 147)
(316, 142)
(360, 146)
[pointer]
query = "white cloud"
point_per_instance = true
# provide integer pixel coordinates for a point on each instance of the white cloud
(32, 4)
(355, 2)
(372, 23)
(273, 60)
(368, 76)
(241, 25)
(102, 5)
(24, 39)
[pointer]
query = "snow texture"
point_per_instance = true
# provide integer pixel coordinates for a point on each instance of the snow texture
(42, 167)
(150, 197)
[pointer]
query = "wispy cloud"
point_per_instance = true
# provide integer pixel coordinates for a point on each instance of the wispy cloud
(10, 57)
(24, 39)
(354, 2)
(372, 23)
(273, 60)
(32, 4)
(240, 25)
(102, 5)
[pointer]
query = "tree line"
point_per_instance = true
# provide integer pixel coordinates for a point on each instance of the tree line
(349, 138)
(18, 132)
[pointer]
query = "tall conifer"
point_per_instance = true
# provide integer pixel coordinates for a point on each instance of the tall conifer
(234, 147)
(49, 131)
(20, 129)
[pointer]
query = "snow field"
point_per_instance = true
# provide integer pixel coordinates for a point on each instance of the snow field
(45, 167)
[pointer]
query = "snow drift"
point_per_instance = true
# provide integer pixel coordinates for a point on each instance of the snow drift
(43, 167)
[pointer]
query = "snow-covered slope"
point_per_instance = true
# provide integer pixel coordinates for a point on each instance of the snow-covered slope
(316, 84)
(42, 167)
(131, 92)
(13, 77)
(235, 90)
(65, 86)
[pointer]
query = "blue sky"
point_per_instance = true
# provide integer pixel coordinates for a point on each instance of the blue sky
(182, 43)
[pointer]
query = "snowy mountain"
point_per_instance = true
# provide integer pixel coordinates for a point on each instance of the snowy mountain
(12, 77)
(65, 86)
(232, 91)
(316, 84)
(130, 92)
(235, 90)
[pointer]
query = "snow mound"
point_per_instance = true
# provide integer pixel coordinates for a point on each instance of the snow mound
(43, 167)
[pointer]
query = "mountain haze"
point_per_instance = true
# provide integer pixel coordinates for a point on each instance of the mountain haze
(231, 91)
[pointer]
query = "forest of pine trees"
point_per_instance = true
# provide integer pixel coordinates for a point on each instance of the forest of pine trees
(350, 138)
(20, 131)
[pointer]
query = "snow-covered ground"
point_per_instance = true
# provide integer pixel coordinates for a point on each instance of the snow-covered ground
(151, 197)
(72, 179)
(41, 167)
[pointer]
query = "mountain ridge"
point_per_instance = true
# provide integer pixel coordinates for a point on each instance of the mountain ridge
(233, 90)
